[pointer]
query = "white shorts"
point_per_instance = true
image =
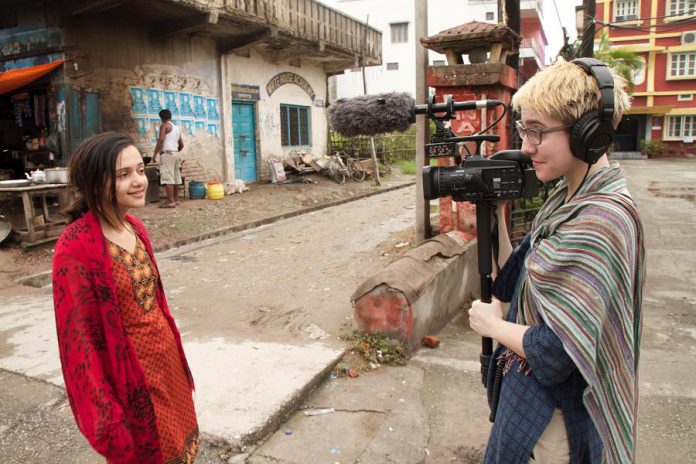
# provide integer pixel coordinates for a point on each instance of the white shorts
(170, 168)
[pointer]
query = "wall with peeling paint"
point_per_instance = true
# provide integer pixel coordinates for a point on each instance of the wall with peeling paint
(117, 54)
(254, 70)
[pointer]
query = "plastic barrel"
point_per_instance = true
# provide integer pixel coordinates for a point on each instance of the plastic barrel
(215, 191)
(196, 190)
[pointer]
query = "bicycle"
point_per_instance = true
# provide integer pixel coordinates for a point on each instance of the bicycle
(337, 168)
(351, 167)
(355, 168)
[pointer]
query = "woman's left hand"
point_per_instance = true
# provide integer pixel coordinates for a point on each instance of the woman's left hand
(483, 317)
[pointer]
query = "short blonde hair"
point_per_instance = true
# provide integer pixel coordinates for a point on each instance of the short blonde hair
(564, 91)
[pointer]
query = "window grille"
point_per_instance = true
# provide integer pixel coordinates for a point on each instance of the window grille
(626, 10)
(681, 7)
(294, 125)
(683, 65)
(399, 32)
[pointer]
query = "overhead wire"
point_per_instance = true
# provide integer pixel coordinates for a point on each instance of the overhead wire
(557, 13)
(664, 26)
(656, 17)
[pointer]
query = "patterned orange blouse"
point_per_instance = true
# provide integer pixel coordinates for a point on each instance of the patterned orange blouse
(156, 350)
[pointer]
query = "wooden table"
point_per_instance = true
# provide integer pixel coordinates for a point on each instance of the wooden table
(48, 228)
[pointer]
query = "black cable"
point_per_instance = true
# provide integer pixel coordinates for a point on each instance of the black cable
(657, 17)
(589, 166)
(468, 153)
(495, 391)
(494, 122)
(674, 25)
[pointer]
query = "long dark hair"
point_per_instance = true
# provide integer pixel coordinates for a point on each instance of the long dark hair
(93, 177)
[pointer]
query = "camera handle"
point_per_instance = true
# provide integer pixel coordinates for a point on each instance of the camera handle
(485, 268)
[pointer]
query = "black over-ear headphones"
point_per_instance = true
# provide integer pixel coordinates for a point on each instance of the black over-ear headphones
(592, 134)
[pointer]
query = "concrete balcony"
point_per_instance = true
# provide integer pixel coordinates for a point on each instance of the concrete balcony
(281, 30)
(532, 8)
(530, 48)
(314, 29)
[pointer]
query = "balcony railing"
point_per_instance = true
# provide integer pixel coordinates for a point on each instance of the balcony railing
(530, 43)
(310, 20)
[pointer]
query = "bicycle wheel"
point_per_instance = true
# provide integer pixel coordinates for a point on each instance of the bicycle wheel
(357, 172)
(336, 174)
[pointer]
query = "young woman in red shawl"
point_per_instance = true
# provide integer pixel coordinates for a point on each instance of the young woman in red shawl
(126, 376)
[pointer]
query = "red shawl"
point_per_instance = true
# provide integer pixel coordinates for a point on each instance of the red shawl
(105, 384)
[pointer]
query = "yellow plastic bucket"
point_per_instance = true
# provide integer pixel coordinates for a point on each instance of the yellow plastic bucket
(214, 191)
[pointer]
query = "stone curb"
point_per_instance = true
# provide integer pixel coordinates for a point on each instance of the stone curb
(290, 406)
(43, 278)
(272, 219)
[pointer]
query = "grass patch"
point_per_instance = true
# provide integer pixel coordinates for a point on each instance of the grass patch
(378, 348)
(407, 166)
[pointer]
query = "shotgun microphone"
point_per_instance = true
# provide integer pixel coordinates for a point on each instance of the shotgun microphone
(390, 112)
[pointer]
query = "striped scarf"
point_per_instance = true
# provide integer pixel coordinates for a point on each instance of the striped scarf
(584, 279)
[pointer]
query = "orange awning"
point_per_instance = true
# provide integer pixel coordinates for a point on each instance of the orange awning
(11, 80)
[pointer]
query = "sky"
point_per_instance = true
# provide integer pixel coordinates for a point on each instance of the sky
(554, 10)
(554, 34)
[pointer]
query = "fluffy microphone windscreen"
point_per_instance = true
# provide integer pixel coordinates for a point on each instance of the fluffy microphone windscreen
(372, 114)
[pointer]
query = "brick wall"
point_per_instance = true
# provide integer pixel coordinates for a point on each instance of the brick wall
(192, 170)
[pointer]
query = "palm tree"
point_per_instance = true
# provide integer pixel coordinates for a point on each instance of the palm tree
(622, 61)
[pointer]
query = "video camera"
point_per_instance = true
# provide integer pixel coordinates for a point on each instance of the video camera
(506, 175)
(501, 177)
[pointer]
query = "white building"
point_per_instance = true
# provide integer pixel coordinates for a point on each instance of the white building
(395, 18)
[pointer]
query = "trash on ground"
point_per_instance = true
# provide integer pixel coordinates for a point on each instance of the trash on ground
(430, 341)
(316, 333)
(235, 186)
(352, 373)
(288, 431)
(319, 412)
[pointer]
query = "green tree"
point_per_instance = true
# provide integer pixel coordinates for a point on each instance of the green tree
(622, 61)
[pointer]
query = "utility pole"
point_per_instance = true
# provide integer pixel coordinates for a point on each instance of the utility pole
(422, 206)
(375, 167)
(588, 28)
(511, 18)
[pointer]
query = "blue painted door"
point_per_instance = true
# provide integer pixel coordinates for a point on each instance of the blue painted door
(244, 141)
(83, 115)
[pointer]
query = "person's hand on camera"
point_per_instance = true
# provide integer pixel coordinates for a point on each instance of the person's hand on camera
(485, 317)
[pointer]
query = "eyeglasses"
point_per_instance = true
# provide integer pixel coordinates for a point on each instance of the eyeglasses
(533, 136)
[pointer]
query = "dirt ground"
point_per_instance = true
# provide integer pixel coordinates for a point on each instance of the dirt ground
(193, 218)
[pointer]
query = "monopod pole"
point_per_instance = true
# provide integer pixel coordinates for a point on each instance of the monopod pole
(485, 266)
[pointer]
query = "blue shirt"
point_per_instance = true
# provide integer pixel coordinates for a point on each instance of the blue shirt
(527, 402)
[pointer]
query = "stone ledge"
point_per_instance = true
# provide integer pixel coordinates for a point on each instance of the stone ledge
(419, 293)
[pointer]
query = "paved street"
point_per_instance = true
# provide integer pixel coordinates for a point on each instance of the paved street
(260, 313)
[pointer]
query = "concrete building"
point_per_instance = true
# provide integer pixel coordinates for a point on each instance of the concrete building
(246, 80)
(395, 18)
(663, 34)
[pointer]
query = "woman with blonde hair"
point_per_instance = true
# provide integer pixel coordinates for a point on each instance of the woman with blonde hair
(567, 360)
(126, 376)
